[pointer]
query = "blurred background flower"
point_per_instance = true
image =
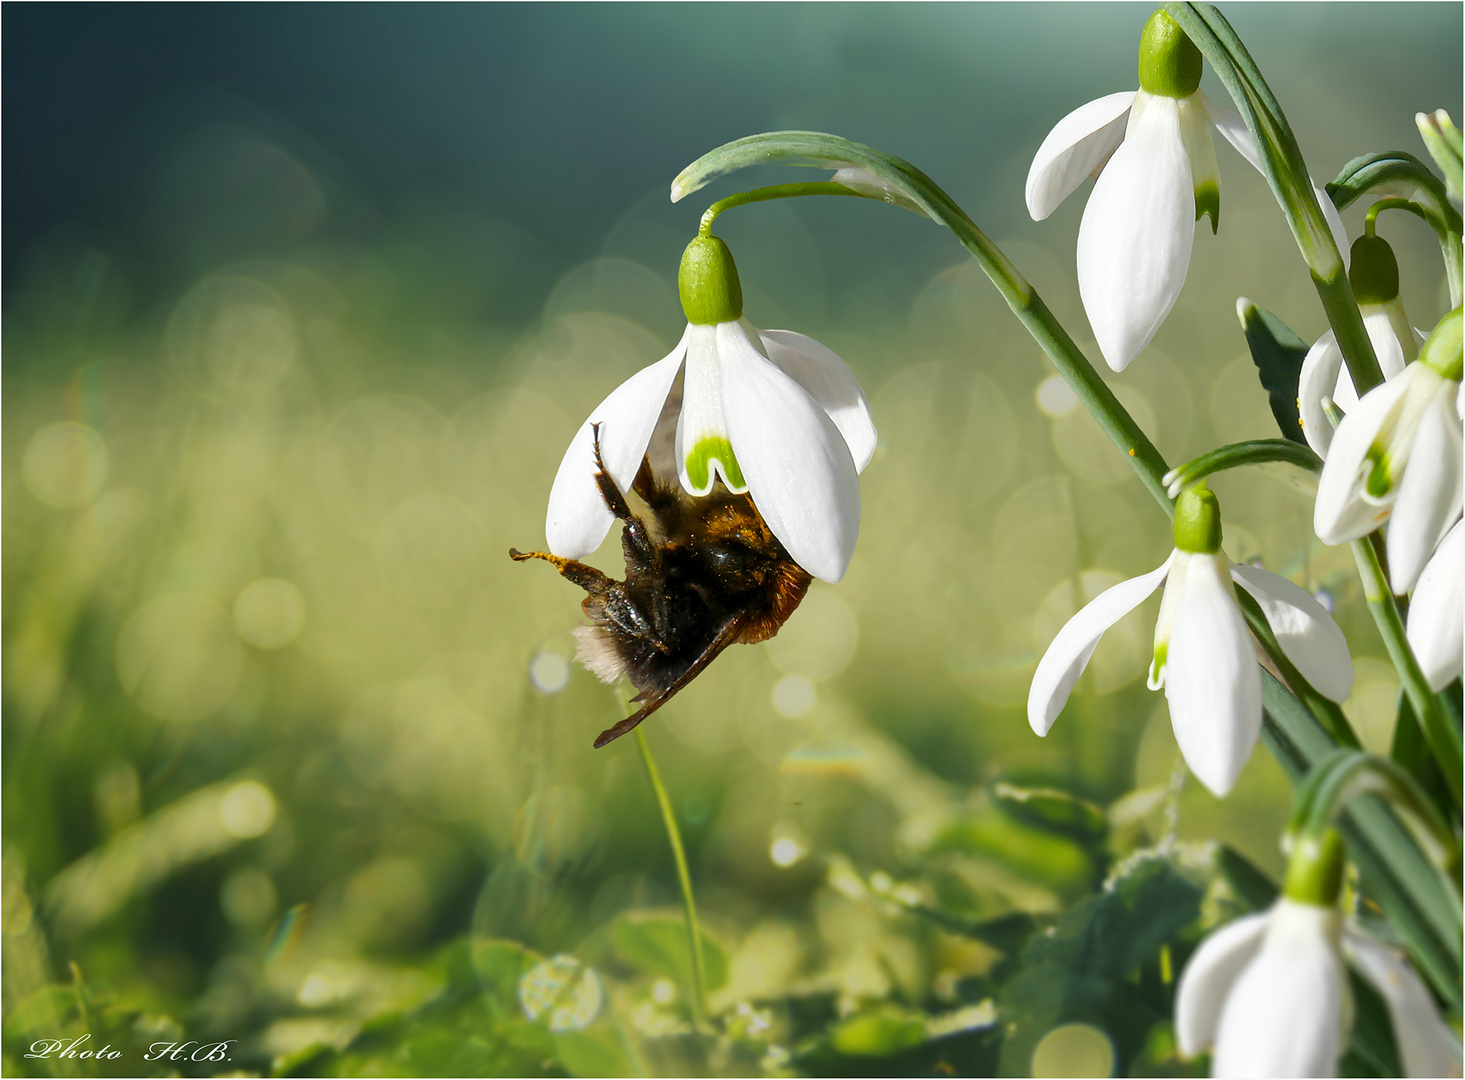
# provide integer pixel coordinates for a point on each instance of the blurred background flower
(301, 307)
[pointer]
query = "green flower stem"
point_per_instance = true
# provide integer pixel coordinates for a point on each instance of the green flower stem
(1370, 218)
(1439, 732)
(1254, 452)
(777, 191)
(1324, 709)
(1286, 173)
(1347, 774)
(1394, 170)
(684, 879)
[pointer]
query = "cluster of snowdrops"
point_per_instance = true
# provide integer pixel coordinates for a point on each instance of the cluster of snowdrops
(1373, 408)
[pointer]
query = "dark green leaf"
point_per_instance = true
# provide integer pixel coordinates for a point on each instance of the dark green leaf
(1249, 882)
(1371, 1043)
(1278, 354)
(598, 1053)
(1052, 809)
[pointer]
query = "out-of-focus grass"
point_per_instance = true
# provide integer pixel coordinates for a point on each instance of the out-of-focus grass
(290, 744)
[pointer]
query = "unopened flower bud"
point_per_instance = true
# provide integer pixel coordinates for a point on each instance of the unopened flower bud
(708, 283)
(1374, 273)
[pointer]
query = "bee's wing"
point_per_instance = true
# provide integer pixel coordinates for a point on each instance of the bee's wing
(725, 636)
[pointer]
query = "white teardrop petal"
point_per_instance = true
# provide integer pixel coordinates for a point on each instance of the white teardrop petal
(1077, 145)
(1341, 513)
(1136, 235)
(1212, 680)
(828, 380)
(1319, 379)
(1436, 627)
(1429, 494)
(1208, 977)
(578, 518)
(796, 463)
(1427, 1046)
(1284, 1015)
(1068, 654)
(1307, 633)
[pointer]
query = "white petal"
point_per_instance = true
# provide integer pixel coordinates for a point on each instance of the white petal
(1436, 628)
(1429, 495)
(1427, 1047)
(703, 418)
(1341, 513)
(796, 462)
(1233, 128)
(1284, 1015)
(1135, 238)
(1211, 679)
(1077, 145)
(578, 518)
(1304, 629)
(1380, 323)
(1231, 125)
(1208, 978)
(1068, 654)
(1319, 379)
(828, 380)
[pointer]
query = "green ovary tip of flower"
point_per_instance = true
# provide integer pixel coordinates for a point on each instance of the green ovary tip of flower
(1315, 870)
(1169, 62)
(1444, 350)
(1379, 482)
(699, 463)
(1208, 201)
(1374, 272)
(708, 283)
(1198, 521)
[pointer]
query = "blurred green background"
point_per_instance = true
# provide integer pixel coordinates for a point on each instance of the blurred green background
(301, 307)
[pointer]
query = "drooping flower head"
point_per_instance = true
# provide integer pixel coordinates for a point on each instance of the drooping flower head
(1269, 992)
(1155, 170)
(1397, 456)
(1324, 382)
(1203, 656)
(768, 412)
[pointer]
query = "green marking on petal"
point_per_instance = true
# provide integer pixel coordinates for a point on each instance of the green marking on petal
(1208, 201)
(1162, 652)
(1379, 482)
(699, 463)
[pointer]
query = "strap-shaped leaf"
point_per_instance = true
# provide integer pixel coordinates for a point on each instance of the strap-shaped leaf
(1278, 354)
(1400, 174)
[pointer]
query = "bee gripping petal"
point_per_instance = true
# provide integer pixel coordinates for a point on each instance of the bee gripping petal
(1077, 145)
(578, 518)
(1068, 654)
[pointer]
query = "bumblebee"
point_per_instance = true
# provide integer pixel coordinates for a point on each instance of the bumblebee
(701, 574)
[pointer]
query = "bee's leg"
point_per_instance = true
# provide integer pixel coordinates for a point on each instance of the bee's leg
(608, 601)
(637, 542)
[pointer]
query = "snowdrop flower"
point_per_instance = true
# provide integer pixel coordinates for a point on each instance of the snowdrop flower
(1374, 275)
(768, 412)
(1436, 627)
(1269, 991)
(1204, 656)
(1155, 171)
(1399, 452)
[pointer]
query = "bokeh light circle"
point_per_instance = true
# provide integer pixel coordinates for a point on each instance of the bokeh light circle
(269, 613)
(179, 657)
(1073, 1050)
(65, 465)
